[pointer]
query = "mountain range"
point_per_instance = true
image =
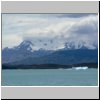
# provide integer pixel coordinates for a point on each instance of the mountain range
(24, 54)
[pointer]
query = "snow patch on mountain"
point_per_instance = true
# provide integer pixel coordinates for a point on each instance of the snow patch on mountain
(79, 45)
(68, 45)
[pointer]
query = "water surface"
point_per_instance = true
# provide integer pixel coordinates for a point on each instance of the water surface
(50, 77)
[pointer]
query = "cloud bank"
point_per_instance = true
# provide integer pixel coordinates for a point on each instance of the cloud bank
(49, 31)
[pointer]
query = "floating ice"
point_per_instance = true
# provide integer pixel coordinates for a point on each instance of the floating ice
(84, 68)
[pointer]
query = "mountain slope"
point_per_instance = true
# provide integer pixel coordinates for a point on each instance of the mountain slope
(22, 51)
(65, 57)
(72, 53)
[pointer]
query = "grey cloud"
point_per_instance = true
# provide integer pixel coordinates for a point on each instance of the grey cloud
(77, 15)
(87, 28)
(61, 15)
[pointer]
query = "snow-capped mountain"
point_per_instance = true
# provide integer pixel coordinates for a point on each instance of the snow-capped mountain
(25, 50)
(25, 45)
(68, 45)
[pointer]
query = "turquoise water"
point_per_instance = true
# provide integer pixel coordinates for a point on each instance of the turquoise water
(50, 77)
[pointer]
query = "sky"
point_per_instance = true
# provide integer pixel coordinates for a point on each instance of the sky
(49, 31)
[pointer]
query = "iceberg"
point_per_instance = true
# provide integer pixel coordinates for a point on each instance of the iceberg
(84, 68)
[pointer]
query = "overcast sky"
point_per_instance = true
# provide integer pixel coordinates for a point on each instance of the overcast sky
(49, 30)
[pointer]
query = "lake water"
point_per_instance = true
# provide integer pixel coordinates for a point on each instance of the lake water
(50, 77)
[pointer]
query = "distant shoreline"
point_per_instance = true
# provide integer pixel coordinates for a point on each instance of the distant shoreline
(49, 66)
